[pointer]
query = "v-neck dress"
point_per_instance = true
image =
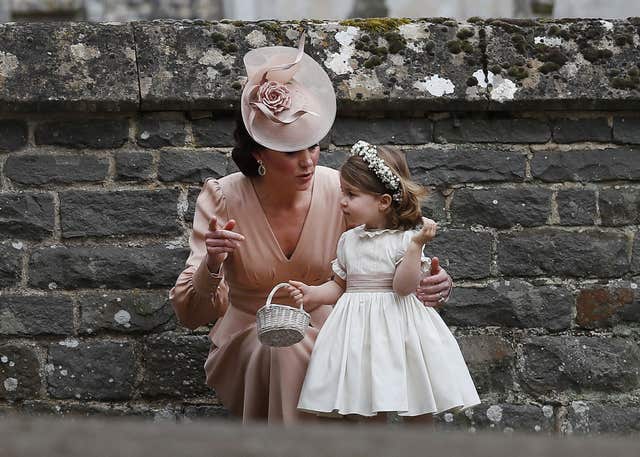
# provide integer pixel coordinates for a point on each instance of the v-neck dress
(255, 381)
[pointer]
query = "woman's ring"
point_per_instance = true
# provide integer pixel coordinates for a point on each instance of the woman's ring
(440, 298)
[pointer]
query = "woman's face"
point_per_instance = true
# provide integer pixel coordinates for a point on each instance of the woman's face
(291, 169)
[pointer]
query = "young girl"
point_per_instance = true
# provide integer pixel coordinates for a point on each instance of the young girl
(381, 349)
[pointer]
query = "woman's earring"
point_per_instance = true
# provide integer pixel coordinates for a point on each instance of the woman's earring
(261, 169)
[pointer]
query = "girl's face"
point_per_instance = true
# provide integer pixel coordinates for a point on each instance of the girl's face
(290, 169)
(361, 207)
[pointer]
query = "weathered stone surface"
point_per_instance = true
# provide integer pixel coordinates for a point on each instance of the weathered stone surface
(13, 135)
(501, 207)
(555, 252)
(564, 64)
(347, 131)
(134, 166)
(463, 253)
(434, 206)
(626, 129)
(586, 165)
(502, 417)
(197, 412)
(35, 315)
(493, 130)
(368, 66)
(192, 197)
(555, 363)
(463, 164)
(91, 370)
(576, 130)
(192, 166)
(635, 255)
(82, 134)
(126, 312)
(510, 304)
(73, 66)
(106, 266)
(603, 306)
(619, 206)
(592, 418)
(333, 159)
(173, 366)
(19, 372)
(26, 215)
(73, 409)
(213, 132)
(157, 130)
(490, 360)
(10, 264)
(36, 169)
(127, 212)
(576, 206)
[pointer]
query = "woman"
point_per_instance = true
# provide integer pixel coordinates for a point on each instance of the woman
(278, 219)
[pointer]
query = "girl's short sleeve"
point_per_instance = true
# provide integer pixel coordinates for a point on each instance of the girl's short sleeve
(425, 262)
(339, 265)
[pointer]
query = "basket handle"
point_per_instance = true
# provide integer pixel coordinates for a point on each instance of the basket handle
(273, 292)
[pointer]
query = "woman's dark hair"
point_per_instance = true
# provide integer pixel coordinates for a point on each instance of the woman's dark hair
(243, 149)
(405, 214)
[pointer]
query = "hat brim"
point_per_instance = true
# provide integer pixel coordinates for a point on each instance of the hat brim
(310, 89)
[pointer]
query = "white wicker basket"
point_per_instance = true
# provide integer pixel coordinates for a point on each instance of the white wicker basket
(281, 325)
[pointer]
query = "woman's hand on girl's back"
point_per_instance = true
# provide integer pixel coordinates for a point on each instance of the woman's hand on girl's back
(220, 242)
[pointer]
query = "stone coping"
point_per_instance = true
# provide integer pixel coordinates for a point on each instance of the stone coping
(379, 65)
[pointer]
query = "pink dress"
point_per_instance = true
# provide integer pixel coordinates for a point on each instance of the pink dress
(254, 381)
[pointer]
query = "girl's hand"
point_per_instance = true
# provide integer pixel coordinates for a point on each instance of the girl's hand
(434, 289)
(299, 291)
(427, 233)
(220, 243)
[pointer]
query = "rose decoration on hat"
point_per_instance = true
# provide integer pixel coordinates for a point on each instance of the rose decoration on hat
(288, 103)
(275, 96)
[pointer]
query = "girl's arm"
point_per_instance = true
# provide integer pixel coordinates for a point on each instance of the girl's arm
(313, 296)
(408, 273)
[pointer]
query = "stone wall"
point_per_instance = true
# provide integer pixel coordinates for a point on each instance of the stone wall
(527, 133)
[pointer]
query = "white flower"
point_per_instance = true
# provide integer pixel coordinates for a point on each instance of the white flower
(369, 154)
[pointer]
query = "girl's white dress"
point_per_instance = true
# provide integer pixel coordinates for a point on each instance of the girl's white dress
(379, 351)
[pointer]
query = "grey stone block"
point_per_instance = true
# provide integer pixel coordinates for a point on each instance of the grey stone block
(82, 134)
(576, 130)
(463, 253)
(347, 131)
(586, 165)
(619, 206)
(127, 212)
(13, 135)
(37, 169)
(492, 130)
(134, 166)
(594, 418)
(125, 312)
(173, 366)
(217, 132)
(510, 304)
(35, 315)
(26, 215)
(192, 166)
(555, 252)
(10, 265)
(91, 370)
(106, 266)
(490, 360)
(159, 130)
(465, 164)
(551, 364)
(576, 206)
(501, 207)
(19, 372)
(626, 129)
(602, 306)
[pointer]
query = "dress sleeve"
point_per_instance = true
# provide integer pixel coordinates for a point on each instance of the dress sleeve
(200, 296)
(339, 265)
(425, 262)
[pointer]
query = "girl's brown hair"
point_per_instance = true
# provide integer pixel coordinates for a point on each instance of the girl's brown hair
(404, 214)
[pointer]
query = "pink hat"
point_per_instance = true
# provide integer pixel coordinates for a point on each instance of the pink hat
(288, 103)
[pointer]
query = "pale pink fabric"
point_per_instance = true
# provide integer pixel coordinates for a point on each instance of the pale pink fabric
(255, 381)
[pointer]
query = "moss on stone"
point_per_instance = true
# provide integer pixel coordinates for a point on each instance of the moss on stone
(518, 72)
(625, 83)
(623, 39)
(467, 47)
(548, 67)
(381, 51)
(454, 46)
(450, 23)
(474, 20)
(378, 24)
(236, 85)
(429, 46)
(472, 81)
(519, 43)
(593, 55)
(495, 69)
(238, 23)
(463, 34)
(554, 30)
(372, 61)
(396, 42)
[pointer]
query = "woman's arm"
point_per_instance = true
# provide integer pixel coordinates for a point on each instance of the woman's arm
(435, 286)
(313, 296)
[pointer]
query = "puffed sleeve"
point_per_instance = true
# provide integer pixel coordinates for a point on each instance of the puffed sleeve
(200, 296)
(425, 262)
(338, 265)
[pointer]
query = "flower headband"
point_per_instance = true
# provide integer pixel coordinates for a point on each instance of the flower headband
(369, 154)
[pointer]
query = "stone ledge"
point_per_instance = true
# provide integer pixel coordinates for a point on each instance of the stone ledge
(383, 65)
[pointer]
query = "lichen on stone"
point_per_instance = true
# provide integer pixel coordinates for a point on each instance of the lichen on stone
(377, 25)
